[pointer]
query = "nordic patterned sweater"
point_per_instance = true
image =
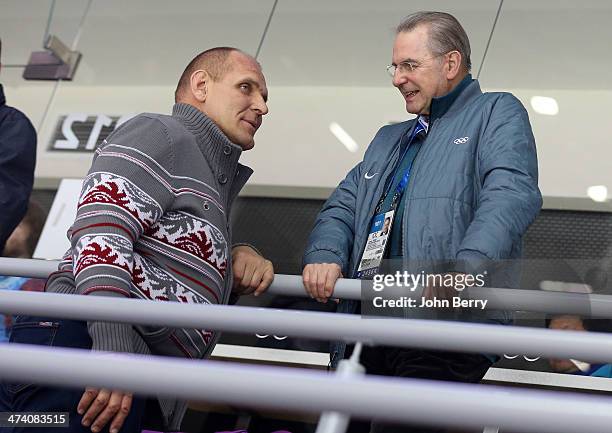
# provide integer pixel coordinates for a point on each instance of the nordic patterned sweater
(152, 223)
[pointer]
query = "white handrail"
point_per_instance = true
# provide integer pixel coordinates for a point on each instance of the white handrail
(401, 400)
(427, 334)
(597, 306)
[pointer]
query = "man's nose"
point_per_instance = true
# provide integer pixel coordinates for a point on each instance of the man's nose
(260, 106)
(398, 78)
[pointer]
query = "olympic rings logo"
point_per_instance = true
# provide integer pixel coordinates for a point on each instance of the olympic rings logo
(461, 140)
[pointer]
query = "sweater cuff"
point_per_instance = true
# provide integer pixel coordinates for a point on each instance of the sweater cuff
(111, 337)
(245, 244)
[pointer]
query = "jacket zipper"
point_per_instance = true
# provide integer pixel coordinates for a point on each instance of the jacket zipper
(409, 190)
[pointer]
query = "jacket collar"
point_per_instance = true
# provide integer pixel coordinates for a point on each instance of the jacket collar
(2, 98)
(221, 154)
(450, 103)
(456, 99)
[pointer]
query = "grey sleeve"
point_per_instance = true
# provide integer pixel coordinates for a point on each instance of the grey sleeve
(111, 337)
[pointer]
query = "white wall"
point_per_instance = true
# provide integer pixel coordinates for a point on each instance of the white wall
(295, 147)
(324, 62)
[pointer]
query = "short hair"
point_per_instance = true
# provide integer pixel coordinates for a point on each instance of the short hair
(445, 34)
(214, 61)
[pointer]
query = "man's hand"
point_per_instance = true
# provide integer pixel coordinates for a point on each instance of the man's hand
(252, 272)
(320, 279)
(99, 406)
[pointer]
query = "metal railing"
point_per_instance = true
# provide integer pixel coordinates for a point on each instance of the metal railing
(596, 306)
(427, 334)
(463, 337)
(32, 268)
(400, 400)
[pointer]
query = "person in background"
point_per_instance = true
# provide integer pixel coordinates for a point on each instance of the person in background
(22, 241)
(17, 162)
(21, 244)
(573, 366)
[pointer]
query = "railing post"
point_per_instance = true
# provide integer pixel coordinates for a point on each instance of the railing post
(336, 422)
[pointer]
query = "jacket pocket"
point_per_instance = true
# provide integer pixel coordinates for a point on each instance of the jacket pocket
(31, 330)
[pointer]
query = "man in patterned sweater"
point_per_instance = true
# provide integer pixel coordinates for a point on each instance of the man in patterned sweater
(153, 223)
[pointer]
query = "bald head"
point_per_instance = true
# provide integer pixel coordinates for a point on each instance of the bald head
(228, 86)
(216, 62)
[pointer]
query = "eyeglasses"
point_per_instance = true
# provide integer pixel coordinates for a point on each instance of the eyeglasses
(408, 66)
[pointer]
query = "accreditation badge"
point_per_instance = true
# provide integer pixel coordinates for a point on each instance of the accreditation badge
(378, 237)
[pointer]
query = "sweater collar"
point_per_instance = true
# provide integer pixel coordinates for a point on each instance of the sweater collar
(464, 91)
(2, 98)
(222, 155)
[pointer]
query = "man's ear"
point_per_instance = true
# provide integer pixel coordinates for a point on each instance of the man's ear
(454, 65)
(199, 84)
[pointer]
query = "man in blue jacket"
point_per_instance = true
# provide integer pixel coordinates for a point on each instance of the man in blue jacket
(17, 161)
(459, 181)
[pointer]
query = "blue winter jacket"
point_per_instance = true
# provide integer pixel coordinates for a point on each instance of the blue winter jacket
(472, 194)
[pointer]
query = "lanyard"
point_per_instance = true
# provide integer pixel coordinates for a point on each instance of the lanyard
(403, 183)
(401, 186)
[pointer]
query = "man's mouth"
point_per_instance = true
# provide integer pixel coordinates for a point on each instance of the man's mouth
(253, 123)
(409, 95)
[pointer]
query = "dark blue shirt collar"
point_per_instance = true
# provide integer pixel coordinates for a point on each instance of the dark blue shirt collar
(440, 105)
(2, 98)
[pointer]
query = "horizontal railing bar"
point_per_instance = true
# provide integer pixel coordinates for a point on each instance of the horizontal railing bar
(591, 305)
(584, 305)
(426, 334)
(31, 268)
(400, 400)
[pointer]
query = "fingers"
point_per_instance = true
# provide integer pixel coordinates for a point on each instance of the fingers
(258, 279)
(252, 272)
(252, 278)
(108, 412)
(101, 406)
(96, 405)
(124, 410)
(330, 282)
(251, 284)
(306, 279)
(320, 278)
(88, 396)
(266, 279)
(309, 278)
(245, 283)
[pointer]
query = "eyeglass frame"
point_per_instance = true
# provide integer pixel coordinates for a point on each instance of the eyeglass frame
(409, 64)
